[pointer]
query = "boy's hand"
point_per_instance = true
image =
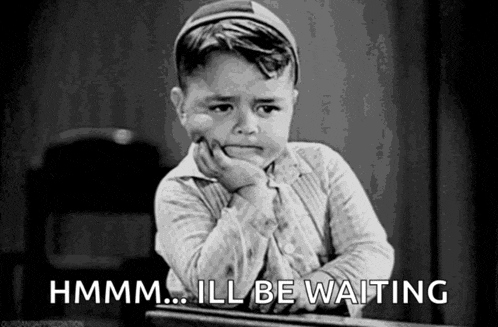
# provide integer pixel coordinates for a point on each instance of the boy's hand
(232, 173)
(300, 295)
(301, 301)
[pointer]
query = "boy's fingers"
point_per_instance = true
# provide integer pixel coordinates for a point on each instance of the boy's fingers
(201, 158)
(265, 308)
(311, 307)
(197, 153)
(207, 147)
(295, 307)
(252, 303)
(268, 307)
(280, 307)
(209, 158)
(283, 307)
(302, 304)
(199, 161)
(221, 159)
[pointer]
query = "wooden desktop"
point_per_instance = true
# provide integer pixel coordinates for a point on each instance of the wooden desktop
(189, 316)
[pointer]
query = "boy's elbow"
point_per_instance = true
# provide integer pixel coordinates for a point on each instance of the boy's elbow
(389, 254)
(380, 256)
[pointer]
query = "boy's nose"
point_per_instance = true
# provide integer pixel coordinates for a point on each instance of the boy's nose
(247, 123)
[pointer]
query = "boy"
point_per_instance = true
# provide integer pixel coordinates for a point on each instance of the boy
(246, 205)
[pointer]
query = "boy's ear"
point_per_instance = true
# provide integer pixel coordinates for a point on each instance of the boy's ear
(177, 97)
(295, 94)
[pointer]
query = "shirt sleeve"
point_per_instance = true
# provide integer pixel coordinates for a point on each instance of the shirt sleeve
(197, 245)
(360, 241)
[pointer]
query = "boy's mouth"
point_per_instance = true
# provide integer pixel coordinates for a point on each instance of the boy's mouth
(236, 149)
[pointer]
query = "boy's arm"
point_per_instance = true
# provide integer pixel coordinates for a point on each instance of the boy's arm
(358, 237)
(198, 246)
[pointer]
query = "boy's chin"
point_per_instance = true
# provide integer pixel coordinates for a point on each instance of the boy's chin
(260, 162)
(257, 161)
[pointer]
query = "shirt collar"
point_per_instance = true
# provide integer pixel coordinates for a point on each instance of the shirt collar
(188, 168)
(285, 169)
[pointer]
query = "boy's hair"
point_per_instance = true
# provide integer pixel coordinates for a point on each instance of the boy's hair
(241, 27)
(255, 42)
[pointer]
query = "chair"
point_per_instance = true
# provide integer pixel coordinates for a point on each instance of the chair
(10, 284)
(90, 198)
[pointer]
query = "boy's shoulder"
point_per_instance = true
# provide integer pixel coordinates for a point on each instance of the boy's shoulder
(323, 162)
(315, 154)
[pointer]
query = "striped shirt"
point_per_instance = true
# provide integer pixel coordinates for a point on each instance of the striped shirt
(322, 220)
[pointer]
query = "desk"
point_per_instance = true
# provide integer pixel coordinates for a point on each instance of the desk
(189, 316)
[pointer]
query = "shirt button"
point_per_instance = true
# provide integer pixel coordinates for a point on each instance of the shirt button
(269, 223)
(289, 248)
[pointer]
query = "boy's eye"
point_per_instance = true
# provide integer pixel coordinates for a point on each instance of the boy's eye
(266, 109)
(221, 108)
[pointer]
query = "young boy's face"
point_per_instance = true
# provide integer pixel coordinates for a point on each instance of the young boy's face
(232, 102)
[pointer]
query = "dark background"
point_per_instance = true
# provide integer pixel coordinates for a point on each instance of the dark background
(405, 90)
